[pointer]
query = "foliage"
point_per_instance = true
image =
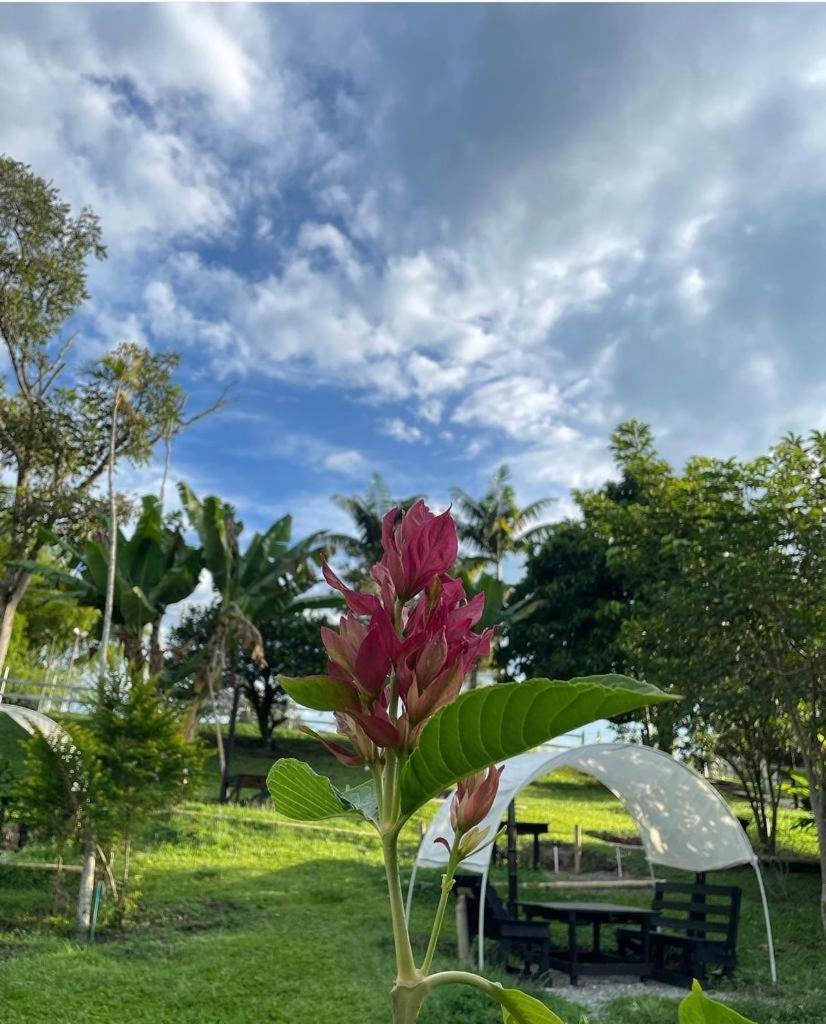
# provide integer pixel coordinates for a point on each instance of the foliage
(108, 775)
(291, 643)
(495, 525)
(730, 558)
(697, 1008)
(269, 577)
(55, 440)
(575, 625)
(155, 568)
(367, 512)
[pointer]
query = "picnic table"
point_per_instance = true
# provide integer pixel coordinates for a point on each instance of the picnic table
(576, 961)
(528, 828)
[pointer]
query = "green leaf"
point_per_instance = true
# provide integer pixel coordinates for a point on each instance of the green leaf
(697, 1008)
(302, 794)
(520, 1008)
(298, 792)
(489, 725)
(363, 799)
(321, 693)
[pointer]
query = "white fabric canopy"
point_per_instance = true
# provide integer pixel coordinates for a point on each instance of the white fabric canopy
(32, 721)
(682, 819)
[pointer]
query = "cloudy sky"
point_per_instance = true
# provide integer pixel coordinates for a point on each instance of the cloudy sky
(427, 240)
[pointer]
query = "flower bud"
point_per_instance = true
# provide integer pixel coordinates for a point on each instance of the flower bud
(474, 799)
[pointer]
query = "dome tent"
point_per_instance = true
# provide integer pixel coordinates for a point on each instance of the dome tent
(682, 819)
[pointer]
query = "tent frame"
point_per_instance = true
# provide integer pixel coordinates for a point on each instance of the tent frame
(551, 762)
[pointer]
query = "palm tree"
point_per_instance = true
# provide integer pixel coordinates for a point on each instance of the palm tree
(153, 569)
(270, 574)
(138, 386)
(494, 525)
(501, 610)
(367, 512)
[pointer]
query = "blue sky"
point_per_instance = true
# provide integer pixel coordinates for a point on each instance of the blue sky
(425, 240)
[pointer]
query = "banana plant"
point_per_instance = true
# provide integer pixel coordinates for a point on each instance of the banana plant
(394, 674)
(154, 568)
(272, 573)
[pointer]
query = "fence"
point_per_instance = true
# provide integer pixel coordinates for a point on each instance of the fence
(68, 696)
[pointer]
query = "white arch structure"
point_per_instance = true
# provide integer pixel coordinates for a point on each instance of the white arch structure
(682, 819)
(32, 721)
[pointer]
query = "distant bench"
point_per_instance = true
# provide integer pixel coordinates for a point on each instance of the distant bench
(244, 780)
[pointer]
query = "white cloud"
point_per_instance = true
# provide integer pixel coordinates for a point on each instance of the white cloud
(400, 431)
(348, 462)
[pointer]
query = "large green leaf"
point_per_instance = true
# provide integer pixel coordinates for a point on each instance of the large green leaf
(697, 1008)
(520, 1008)
(497, 722)
(302, 794)
(321, 693)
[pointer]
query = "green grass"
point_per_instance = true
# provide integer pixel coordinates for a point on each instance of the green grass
(244, 920)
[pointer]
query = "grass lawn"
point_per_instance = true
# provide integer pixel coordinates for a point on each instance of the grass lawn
(243, 920)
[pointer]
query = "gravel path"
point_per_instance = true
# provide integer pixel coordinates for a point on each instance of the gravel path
(596, 992)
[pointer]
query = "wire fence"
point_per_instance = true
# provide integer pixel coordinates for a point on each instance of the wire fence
(65, 696)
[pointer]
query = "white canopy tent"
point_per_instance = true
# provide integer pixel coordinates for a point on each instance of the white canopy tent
(682, 819)
(32, 721)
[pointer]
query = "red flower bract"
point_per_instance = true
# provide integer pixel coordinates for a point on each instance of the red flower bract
(403, 660)
(474, 798)
(419, 548)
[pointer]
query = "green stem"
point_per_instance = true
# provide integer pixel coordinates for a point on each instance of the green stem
(447, 885)
(458, 978)
(405, 965)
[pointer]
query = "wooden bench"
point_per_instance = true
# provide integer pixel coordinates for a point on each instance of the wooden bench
(527, 941)
(235, 783)
(694, 925)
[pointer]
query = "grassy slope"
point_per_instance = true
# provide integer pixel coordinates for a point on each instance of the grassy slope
(241, 921)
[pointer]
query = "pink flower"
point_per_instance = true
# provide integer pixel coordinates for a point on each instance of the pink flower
(419, 548)
(474, 799)
(361, 604)
(361, 654)
(439, 648)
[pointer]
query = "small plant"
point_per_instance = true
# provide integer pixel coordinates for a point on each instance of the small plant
(395, 670)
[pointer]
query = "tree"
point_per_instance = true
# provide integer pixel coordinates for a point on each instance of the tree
(137, 386)
(272, 574)
(735, 558)
(291, 647)
(96, 784)
(575, 626)
(367, 512)
(155, 568)
(503, 608)
(495, 525)
(54, 441)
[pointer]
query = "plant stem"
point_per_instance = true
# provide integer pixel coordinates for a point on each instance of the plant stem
(447, 885)
(405, 965)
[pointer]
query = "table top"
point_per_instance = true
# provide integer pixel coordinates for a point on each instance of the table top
(595, 907)
(527, 827)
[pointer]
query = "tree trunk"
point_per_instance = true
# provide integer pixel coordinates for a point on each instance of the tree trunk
(111, 568)
(155, 652)
(192, 717)
(12, 590)
(83, 916)
(817, 797)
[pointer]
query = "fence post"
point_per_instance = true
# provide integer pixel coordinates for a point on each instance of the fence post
(577, 848)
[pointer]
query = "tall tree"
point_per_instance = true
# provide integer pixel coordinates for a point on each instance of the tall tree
(574, 629)
(155, 568)
(271, 573)
(54, 441)
(495, 525)
(367, 512)
(138, 386)
(735, 556)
